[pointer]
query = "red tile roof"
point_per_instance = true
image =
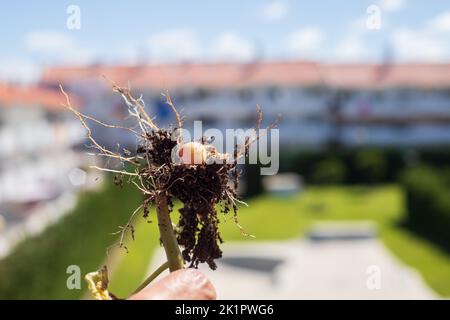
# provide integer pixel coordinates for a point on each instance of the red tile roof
(32, 96)
(226, 75)
(378, 76)
(222, 75)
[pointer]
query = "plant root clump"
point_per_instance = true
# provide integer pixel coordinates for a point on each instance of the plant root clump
(204, 189)
(200, 188)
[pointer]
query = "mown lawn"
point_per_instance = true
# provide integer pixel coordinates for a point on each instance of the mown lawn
(271, 217)
(132, 266)
(37, 269)
(277, 218)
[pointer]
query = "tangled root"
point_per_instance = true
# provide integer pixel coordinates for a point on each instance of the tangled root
(201, 188)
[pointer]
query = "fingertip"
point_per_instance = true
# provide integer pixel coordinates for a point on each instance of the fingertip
(188, 284)
(200, 281)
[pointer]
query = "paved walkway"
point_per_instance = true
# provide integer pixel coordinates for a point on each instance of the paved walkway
(302, 269)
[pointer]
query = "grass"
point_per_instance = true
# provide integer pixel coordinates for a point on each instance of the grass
(290, 217)
(277, 218)
(37, 268)
(432, 262)
(132, 266)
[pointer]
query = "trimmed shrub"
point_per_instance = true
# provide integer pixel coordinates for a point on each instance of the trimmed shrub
(428, 203)
(253, 179)
(371, 165)
(363, 165)
(329, 171)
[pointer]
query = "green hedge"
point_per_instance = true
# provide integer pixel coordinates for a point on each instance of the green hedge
(37, 267)
(329, 171)
(350, 166)
(360, 165)
(428, 202)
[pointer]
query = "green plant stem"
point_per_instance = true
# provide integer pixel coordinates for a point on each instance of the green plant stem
(152, 277)
(168, 238)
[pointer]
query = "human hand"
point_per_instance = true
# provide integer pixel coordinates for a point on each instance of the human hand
(188, 284)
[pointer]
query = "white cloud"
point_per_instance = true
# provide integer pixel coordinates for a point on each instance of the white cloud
(418, 45)
(428, 43)
(351, 49)
(57, 47)
(128, 54)
(231, 47)
(19, 71)
(441, 23)
(174, 45)
(275, 10)
(304, 41)
(392, 5)
(48, 42)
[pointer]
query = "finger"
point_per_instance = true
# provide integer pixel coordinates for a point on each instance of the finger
(185, 284)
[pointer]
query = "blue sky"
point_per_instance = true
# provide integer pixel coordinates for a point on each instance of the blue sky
(35, 34)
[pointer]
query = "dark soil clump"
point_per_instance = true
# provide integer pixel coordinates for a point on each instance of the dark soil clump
(203, 189)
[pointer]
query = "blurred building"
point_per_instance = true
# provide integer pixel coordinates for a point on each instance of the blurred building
(351, 105)
(37, 140)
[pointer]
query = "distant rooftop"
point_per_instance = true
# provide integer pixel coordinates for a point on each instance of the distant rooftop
(282, 74)
(13, 95)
